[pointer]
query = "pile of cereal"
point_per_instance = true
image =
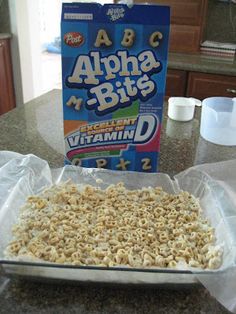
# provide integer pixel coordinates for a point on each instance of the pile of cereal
(116, 226)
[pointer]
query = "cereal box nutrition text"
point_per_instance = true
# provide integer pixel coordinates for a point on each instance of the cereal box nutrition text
(114, 60)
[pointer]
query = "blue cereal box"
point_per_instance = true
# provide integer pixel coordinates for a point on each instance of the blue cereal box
(114, 60)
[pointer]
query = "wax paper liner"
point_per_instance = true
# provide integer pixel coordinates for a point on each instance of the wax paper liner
(214, 185)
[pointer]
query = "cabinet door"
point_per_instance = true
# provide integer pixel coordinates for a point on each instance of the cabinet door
(175, 83)
(201, 85)
(7, 96)
(184, 38)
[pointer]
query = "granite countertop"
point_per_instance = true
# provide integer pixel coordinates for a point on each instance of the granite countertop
(201, 63)
(5, 36)
(28, 129)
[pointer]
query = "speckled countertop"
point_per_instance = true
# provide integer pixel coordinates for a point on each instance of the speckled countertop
(201, 63)
(37, 128)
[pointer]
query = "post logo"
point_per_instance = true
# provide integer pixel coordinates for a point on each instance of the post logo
(74, 39)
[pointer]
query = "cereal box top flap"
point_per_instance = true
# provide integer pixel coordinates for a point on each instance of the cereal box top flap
(118, 13)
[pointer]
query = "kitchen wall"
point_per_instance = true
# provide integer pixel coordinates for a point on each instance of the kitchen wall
(8, 25)
(221, 22)
(4, 17)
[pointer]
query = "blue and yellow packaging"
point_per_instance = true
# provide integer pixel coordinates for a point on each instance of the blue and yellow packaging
(114, 61)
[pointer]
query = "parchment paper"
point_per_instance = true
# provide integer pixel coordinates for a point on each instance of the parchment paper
(214, 185)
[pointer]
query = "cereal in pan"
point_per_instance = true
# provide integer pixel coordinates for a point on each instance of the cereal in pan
(114, 227)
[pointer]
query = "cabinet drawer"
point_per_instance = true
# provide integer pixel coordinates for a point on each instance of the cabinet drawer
(184, 38)
(175, 83)
(185, 12)
(201, 85)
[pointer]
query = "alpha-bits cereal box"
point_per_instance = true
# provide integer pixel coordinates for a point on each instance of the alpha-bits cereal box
(114, 60)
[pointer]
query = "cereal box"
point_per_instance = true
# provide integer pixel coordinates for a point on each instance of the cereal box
(114, 60)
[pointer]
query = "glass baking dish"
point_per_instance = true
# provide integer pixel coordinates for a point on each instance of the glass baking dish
(90, 274)
(22, 176)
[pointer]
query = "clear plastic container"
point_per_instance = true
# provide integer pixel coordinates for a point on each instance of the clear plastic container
(218, 120)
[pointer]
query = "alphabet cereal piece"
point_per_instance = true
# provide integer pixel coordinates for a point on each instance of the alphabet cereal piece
(78, 105)
(123, 164)
(101, 163)
(128, 39)
(71, 101)
(77, 162)
(102, 39)
(146, 164)
(154, 39)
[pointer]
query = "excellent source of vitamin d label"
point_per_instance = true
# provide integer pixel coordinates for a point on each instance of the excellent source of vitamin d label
(114, 70)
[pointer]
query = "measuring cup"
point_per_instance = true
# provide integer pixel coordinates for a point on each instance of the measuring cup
(182, 108)
(218, 120)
